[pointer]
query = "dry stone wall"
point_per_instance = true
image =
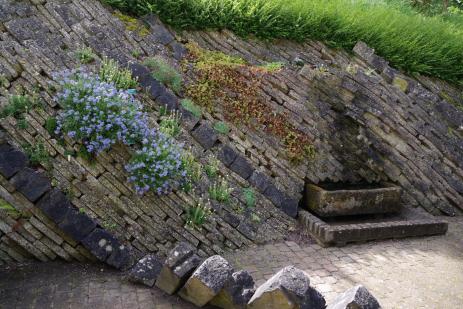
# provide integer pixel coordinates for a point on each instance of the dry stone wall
(368, 122)
(38, 39)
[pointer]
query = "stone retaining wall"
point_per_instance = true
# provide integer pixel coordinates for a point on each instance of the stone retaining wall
(38, 40)
(368, 122)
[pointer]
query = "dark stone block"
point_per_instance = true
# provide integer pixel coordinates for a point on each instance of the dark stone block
(147, 270)
(154, 87)
(242, 167)
(290, 206)
(274, 194)
(188, 119)
(158, 30)
(169, 100)
(120, 257)
(260, 181)
(100, 243)
(141, 73)
(247, 230)
(11, 160)
(32, 184)
(227, 155)
(205, 135)
(230, 218)
(77, 225)
(55, 205)
(178, 50)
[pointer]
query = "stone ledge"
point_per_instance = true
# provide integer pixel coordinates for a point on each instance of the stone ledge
(409, 223)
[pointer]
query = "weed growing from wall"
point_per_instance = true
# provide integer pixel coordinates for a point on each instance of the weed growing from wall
(220, 190)
(111, 73)
(197, 215)
(191, 107)
(85, 55)
(164, 73)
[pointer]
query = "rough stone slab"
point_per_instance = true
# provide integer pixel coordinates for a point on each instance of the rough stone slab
(288, 289)
(32, 184)
(227, 155)
(121, 257)
(147, 270)
(207, 281)
(77, 225)
(100, 243)
(357, 297)
(11, 160)
(242, 167)
(236, 292)
(205, 135)
(328, 202)
(260, 181)
(180, 263)
(168, 99)
(55, 205)
(141, 73)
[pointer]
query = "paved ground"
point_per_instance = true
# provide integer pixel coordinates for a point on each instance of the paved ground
(413, 273)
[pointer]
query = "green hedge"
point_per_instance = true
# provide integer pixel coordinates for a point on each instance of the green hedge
(408, 40)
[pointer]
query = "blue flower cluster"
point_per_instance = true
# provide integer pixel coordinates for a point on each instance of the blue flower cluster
(157, 164)
(100, 115)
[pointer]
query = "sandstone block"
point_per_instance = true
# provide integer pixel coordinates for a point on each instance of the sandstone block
(288, 289)
(358, 297)
(179, 265)
(207, 281)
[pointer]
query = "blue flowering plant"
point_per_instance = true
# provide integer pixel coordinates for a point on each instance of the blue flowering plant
(97, 113)
(158, 165)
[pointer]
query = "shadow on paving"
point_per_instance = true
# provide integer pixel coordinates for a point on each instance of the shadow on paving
(71, 285)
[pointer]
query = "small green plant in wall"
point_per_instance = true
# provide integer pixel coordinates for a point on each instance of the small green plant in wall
(220, 190)
(193, 170)
(164, 73)
(111, 73)
(197, 214)
(212, 167)
(85, 55)
(18, 105)
(38, 154)
(170, 124)
(191, 107)
(222, 127)
(249, 197)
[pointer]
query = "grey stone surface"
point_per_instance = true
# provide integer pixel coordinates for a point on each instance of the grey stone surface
(180, 263)
(33, 184)
(147, 270)
(205, 135)
(236, 292)
(77, 225)
(289, 288)
(55, 205)
(207, 281)
(168, 99)
(121, 257)
(356, 297)
(260, 181)
(11, 160)
(242, 167)
(227, 155)
(100, 243)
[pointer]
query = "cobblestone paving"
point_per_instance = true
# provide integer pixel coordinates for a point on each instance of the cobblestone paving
(412, 273)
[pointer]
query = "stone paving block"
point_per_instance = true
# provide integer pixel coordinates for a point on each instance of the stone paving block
(55, 205)
(147, 270)
(77, 225)
(11, 160)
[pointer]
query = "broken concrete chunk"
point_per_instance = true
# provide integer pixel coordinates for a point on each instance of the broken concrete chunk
(207, 281)
(236, 292)
(180, 263)
(147, 270)
(357, 297)
(288, 289)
